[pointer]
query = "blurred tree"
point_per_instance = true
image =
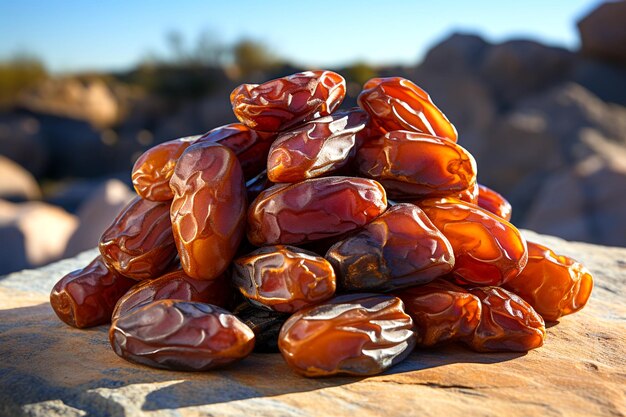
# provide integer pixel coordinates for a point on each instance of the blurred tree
(360, 72)
(251, 56)
(18, 73)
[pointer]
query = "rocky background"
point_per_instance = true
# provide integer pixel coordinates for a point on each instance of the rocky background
(547, 127)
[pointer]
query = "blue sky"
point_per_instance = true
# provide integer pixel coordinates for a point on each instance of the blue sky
(77, 35)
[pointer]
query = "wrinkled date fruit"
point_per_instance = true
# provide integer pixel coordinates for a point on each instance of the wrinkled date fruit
(154, 168)
(416, 165)
(140, 244)
(442, 312)
(265, 324)
(555, 285)
(395, 103)
(356, 334)
(488, 250)
(315, 148)
(507, 323)
(313, 209)
(251, 147)
(470, 195)
(399, 249)
(494, 202)
(284, 278)
(181, 335)
(86, 297)
(277, 105)
(208, 210)
(175, 285)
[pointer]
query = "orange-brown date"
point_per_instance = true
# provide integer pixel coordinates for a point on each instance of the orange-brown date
(507, 323)
(494, 202)
(153, 169)
(555, 285)
(442, 312)
(208, 210)
(470, 195)
(356, 334)
(140, 244)
(86, 297)
(317, 208)
(395, 103)
(284, 278)
(250, 146)
(175, 285)
(488, 250)
(398, 249)
(280, 104)
(416, 165)
(181, 335)
(315, 148)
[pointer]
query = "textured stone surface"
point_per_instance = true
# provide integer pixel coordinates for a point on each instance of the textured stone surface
(49, 369)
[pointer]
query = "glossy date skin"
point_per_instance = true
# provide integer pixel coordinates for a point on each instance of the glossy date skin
(416, 165)
(555, 285)
(175, 285)
(318, 208)
(280, 104)
(356, 334)
(488, 250)
(507, 323)
(250, 146)
(265, 324)
(86, 297)
(140, 244)
(208, 209)
(284, 278)
(315, 148)
(181, 335)
(442, 312)
(153, 169)
(492, 201)
(395, 103)
(398, 249)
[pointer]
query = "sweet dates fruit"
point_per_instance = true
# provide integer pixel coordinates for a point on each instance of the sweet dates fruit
(356, 334)
(398, 249)
(492, 201)
(86, 297)
(265, 324)
(208, 209)
(181, 335)
(283, 278)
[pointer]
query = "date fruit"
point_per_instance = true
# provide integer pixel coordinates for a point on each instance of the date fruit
(398, 249)
(284, 278)
(140, 244)
(315, 148)
(265, 324)
(507, 323)
(395, 103)
(208, 210)
(494, 202)
(356, 334)
(86, 297)
(317, 208)
(488, 250)
(555, 285)
(181, 335)
(416, 165)
(280, 104)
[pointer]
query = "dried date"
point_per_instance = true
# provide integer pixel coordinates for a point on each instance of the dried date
(494, 202)
(140, 244)
(398, 249)
(181, 335)
(356, 334)
(317, 208)
(280, 104)
(208, 210)
(265, 324)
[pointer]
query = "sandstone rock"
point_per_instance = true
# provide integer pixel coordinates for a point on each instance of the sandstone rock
(605, 80)
(459, 53)
(580, 371)
(34, 234)
(96, 213)
(17, 184)
(603, 32)
(21, 140)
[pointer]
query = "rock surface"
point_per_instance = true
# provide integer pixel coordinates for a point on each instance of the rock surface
(50, 369)
(603, 32)
(17, 183)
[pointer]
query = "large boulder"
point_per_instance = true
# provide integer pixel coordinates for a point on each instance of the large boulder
(604, 79)
(460, 53)
(22, 141)
(603, 32)
(16, 183)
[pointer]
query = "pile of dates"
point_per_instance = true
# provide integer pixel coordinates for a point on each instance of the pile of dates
(343, 238)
